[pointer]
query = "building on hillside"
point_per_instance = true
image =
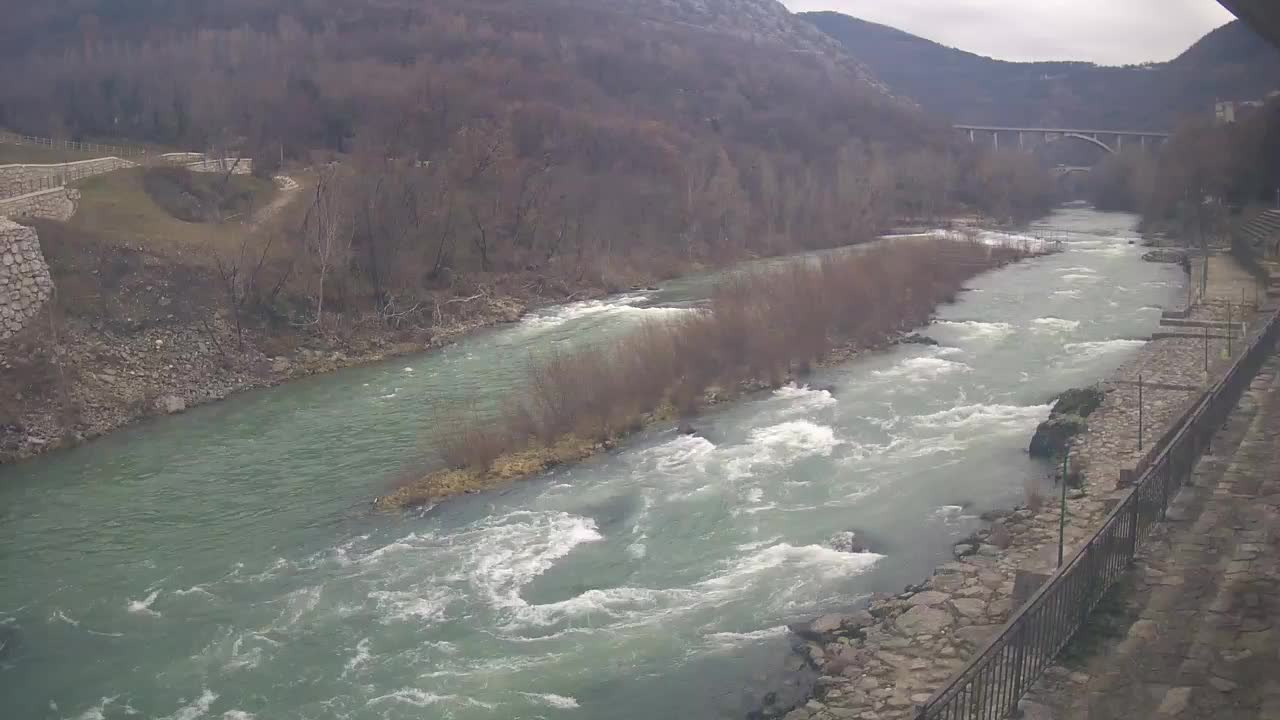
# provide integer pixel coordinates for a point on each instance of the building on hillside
(1226, 112)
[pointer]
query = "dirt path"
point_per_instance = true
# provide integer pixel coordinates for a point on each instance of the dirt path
(288, 193)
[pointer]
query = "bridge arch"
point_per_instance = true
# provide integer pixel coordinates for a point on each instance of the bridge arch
(1089, 139)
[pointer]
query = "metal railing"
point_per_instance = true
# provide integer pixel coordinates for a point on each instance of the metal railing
(27, 187)
(991, 685)
(64, 174)
(117, 150)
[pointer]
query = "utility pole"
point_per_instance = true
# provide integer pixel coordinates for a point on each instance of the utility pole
(1062, 508)
(1140, 413)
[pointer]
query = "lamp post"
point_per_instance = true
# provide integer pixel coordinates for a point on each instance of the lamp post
(1062, 508)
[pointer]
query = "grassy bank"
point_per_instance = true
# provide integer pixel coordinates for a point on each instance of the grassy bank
(761, 329)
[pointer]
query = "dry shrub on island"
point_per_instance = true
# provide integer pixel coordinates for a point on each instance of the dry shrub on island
(760, 327)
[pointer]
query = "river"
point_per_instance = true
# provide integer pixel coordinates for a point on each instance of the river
(225, 563)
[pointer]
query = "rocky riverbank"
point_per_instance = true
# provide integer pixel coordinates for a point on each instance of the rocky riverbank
(70, 380)
(881, 661)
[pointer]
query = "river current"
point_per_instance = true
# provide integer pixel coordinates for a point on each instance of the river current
(225, 563)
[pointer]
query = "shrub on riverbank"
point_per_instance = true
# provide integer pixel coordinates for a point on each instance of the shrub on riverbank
(761, 328)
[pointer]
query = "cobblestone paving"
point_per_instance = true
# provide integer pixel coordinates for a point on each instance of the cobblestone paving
(1199, 620)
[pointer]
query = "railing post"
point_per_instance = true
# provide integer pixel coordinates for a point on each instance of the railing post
(1133, 531)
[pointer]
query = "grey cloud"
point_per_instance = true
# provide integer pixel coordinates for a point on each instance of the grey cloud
(1110, 32)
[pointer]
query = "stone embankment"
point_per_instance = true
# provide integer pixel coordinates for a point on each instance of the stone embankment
(236, 166)
(23, 179)
(882, 662)
(57, 203)
(25, 285)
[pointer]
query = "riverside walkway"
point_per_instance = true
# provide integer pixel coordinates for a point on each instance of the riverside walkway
(1192, 634)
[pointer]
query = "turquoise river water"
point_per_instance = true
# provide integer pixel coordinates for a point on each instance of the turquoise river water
(225, 563)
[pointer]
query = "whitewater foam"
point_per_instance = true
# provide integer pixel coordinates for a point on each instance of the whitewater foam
(59, 616)
(560, 702)
(1053, 324)
(422, 698)
(781, 444)
(804, 397)
(97, 712)
(1102, 348)
(196, 708)
(143, 607)
(733, 640)
(922, 368)
(813, 559)
(976, 330)
(427, 606)
(680, 455)
(508, 555)
(620, 606)
(360, 658)
(619, 307)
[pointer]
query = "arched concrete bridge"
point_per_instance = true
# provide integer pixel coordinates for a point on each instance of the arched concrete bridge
(1047, 135)
(1065, 170)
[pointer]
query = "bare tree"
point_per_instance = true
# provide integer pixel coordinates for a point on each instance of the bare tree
(328, 230)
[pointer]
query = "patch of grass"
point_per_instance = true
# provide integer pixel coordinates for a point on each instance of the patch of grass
(117, 207)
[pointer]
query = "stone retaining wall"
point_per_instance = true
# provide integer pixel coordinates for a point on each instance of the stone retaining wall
(25, 284)
(56, 204)
(238, 166)
(182, 158)
(23, 179)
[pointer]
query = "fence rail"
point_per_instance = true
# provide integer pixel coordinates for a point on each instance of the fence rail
(117, 150)
(990, 687)
(35, 185)
(67, 173)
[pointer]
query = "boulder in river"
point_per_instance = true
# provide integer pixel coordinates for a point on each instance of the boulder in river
(848, 541)
(1066, 420)
(917, 339)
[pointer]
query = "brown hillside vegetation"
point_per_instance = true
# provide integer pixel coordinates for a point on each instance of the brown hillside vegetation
(761, 328)
(594, 144)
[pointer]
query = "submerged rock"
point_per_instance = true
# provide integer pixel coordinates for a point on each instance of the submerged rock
(917, 339)
(1053, 435)
(848, 541)
(1066, 420)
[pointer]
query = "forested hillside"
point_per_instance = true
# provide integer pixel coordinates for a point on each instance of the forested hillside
(665, 128)
(1230, 63)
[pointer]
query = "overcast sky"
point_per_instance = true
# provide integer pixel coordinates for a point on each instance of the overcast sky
(1109, 32)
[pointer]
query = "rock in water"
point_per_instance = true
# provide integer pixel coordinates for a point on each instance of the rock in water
(1079, 401)
(1052, 436)
(847, 541)
(1066, 420)
(917, 339)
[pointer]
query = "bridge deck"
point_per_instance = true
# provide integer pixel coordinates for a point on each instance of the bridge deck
(1063, 131)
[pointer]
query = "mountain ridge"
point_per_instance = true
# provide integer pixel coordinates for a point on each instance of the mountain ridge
(1228, 63)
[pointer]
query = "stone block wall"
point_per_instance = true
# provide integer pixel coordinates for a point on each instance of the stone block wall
(238, 166)
(56, 204)
(25, 285)
(23, 179)
(182, 158)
